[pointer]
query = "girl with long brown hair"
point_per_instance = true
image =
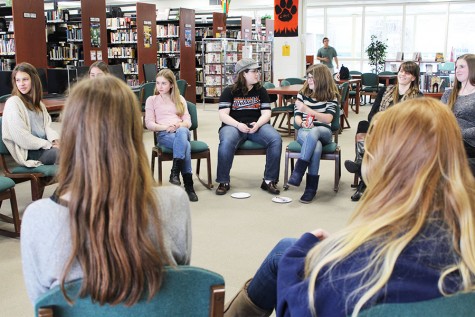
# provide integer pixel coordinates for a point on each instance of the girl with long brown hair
(106, 223)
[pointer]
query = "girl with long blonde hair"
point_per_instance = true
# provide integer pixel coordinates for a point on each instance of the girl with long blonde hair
(411, 238)
(106, 223)
(166, 112)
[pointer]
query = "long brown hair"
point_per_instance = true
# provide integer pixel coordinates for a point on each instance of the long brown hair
(470, 58)
(433, 182)
(413, 91)
(104, 175)
(33, 97)
(325, 87)
(101, 65)
(240, 85)
(174, 92)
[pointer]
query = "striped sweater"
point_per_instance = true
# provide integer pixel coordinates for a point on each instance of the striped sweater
(318, 106)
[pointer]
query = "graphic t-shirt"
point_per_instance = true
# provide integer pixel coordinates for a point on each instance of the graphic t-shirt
(245, 109)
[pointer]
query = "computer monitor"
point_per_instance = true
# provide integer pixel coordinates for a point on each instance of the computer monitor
(5, 82)
(117, 71)
(43, 79)
(59, 81)
(150, 72)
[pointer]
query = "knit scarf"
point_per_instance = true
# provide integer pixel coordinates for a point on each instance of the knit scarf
(387, 100)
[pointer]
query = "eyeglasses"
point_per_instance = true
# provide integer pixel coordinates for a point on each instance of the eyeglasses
(253, 71)
(309, 77)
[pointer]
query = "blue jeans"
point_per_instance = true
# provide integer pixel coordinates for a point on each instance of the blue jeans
(312, 141)
(179, 142)
(47, 157)
(263, 287)
(229, 140)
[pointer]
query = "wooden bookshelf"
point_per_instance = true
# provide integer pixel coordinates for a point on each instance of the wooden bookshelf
(146, 48)
(93, 12)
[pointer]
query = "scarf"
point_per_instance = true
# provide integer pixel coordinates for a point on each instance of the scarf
(388, 100)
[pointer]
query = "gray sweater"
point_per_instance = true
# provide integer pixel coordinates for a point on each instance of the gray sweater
(464, 111)
(46, 239)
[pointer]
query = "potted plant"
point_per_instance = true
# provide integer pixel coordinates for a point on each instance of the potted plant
(376, 51)
(264, 18)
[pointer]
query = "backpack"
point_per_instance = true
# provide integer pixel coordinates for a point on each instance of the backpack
(344, 72)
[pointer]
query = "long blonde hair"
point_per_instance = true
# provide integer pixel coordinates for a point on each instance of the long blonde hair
(104, 173)
(325, 87)
(470, 58)
(174, 93)
(416, 169)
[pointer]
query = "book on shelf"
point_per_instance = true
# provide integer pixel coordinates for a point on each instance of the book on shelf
(400, 56)
(439, 57)
(416, 56)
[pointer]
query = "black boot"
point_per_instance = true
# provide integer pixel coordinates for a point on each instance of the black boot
(297, 175)
(310, 189)
(359, 191)
(355, 166)
(188, 180)
(175, 171)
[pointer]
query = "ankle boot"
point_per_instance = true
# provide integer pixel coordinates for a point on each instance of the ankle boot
(310, 189)
(242, 306)
(297, 175)
(188, 180)
(175, 171)
(359, 191)
(355, 166)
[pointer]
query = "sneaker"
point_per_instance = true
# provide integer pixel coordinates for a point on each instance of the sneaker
(222, 188)
(270, 187)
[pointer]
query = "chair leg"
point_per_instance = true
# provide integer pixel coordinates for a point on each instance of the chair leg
(337, 172)
(159, 171)
(15, 214)
(208, 185)
(152, 163)
(286, 171)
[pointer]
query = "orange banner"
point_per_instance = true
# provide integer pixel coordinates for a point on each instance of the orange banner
(286, 18)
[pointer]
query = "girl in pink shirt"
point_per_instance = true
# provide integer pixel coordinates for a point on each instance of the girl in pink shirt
(167, 114)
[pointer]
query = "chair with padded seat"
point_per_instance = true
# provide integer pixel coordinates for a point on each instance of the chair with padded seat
(182, 85)
(199, 150)
(330, 151)
(344, 92)
(295, 80)
(352, 94)
(7, 191)
(369, 85)
(459, 305)
(146, 90)
(5, 97)
(40, 176)
(287, 112)
(185, 291)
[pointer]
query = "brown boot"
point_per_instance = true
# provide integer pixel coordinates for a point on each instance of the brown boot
(242, 306)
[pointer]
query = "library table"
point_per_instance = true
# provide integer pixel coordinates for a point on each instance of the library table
(291, 90)
(52, 105)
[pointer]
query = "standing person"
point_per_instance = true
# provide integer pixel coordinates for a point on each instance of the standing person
(244, 110)
(98, 69)
(326, 54)
(461, 99)
(106, 222)
(407, 87)
(410, 238)
(167, 113)
(26, 124)
(315, 108)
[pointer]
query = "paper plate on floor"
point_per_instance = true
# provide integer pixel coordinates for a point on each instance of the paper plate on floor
(281, 199)
(240, 195)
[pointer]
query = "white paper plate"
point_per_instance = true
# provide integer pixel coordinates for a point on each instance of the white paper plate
(281, 199)
(240, 195)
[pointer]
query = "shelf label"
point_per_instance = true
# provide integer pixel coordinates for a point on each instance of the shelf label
(29, 15)
(94, 19)
(147, 22)
(188, 25)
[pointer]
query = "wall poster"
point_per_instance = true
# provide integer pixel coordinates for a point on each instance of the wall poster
(286, 19)
(95, 32)
(147, 32)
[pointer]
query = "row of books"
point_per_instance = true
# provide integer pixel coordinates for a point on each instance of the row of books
(130, 68)
(168, 30)
(66, 52)
(121, 52)
(120, 23)
(169, 46)
(168, 62)
(7, 64)
(57, 15)
(125, 36)
(7, 47)
(74, 34)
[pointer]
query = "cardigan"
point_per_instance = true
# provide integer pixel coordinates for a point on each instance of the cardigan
(16, 132)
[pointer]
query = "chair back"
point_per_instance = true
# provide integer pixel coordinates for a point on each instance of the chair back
(193, 114)
(387, 73)
(344, 91)
(369, 80)
(355, 72)
(462, 304)
(182, 85)
(3, 148)
(5, 97)
(295, 81)
(267, 85)
(284, 83)
(150, 72)
(185, 291)
(146, 90)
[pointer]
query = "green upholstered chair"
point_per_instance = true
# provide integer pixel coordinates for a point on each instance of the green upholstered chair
(460, 305)
(185, 291)
(295, 81)
(182, 85)
(199, 150)
(39, 177)
(285, 112)
(249, 147)
(5, 97)
(7, 191)
(344, 92)
(369, 85)
(330, 151)
(146, 90)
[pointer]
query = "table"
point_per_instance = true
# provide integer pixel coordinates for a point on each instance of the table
(357, 95)
(387, 79)
(291, 90)
(52, 105)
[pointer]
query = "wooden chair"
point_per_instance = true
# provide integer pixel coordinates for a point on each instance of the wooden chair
(330, 151)
(185, 291)
(287, 112)
(352, 95)
(459, 305)
(199, 150)
(5, 97)
(344, 92)
(370, 85)
(39, 177)
(7, 191)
